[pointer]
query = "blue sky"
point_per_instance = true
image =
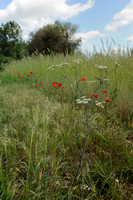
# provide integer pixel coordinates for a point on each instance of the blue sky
(97, 19)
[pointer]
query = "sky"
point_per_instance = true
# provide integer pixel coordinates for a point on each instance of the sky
(110, 21)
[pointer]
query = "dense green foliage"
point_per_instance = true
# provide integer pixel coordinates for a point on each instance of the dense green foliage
(11, 44)
(43, 129)
(53, 39)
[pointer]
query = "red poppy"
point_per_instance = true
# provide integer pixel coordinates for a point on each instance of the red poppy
(107, 100)
(24, 73)
(105, 91)
(53, 84)
(59, 85)
(42, 83)
(34, 73)
(56, 82)
(36, 80)
(37, 72)
(83, 79)
(28, 75)
(19, 75)
(95, 96)
(22, 77)
(36, 85)
(31, 72)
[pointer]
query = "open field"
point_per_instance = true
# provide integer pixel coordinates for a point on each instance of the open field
(46, 134)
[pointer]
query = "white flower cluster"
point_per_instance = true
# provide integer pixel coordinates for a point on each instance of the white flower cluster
(83, 100)
(100, 66)
(59, 65)
(77, 61)
(85, 187)
(117, 64)
(100, 104)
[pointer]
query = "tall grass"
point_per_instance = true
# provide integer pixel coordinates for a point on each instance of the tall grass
(43, 130)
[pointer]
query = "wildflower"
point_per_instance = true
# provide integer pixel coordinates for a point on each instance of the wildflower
(22, 77)
(105, 91)
(99, 104)
(34, 73)
(87, 99)
(53, 84)
(95, 96)
(36, 85)
(59, 85)
(36, 80)
(83, 79)
(31, 72)
(28, 75)
(85, 102)
(19, 75)
(42, 83)
(56, 83)
(107, 100)
(24, 73)
(37, 72)
(101, 67)
(79, 102)
(117, 180)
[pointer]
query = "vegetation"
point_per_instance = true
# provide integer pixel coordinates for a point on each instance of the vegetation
(56, 147)
(54, 39)
(11, 44)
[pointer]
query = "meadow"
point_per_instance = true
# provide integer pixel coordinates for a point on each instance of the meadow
(66, 125)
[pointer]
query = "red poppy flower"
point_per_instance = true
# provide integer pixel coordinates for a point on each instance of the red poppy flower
(34, 73)
(36, 80)
(37, 72)
(53, 84)
(19, 75)
(24, 73)
(42, 83)
(31, 72)
(95, 96)
(36, 85)
(56, 82)
(83, 79)
(59, 85)
(22, 77)
(28, 75)
(105, 91)
(107, 100)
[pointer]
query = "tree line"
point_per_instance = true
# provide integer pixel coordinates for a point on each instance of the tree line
(49, 40)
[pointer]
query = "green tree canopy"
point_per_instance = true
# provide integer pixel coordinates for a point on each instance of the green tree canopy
(11, 44)
(52, 39)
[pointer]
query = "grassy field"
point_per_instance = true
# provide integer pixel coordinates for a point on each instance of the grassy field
(66, 127)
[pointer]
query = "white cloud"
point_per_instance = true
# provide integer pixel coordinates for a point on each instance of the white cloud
(88, 35)
(31, 14)
(124, 17)
(130, 38)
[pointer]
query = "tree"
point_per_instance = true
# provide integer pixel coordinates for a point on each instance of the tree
(53, 39)
(11, 44)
